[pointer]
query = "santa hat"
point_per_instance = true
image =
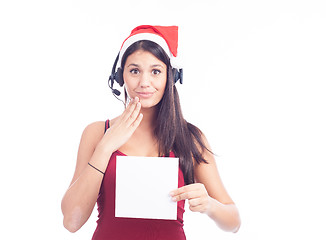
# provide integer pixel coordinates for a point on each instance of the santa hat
(165, 36)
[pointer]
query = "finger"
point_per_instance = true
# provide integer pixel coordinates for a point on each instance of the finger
(198, 208)
(180, 190)
(133, 116)
(185, 195)
(184, 189)
(130, 108)
(194, 202)
(137, 122)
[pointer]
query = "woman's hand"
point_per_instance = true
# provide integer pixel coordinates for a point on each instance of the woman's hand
(123, 127)
(198, 198)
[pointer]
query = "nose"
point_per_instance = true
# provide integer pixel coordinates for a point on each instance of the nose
(145, 80)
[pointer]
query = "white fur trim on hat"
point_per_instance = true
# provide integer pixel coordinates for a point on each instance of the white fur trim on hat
(146, 36)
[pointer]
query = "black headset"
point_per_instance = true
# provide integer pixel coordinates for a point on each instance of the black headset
(118, 77)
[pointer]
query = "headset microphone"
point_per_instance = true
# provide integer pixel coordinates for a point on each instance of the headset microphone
(115, 76)
(116, 92)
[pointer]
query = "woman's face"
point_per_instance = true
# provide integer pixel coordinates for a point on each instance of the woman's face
(145, 77)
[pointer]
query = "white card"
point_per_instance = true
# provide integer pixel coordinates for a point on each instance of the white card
(143, 185)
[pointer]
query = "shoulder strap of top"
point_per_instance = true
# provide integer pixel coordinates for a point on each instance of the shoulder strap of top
(107, 125)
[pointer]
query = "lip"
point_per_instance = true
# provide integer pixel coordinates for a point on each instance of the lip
(145, 94)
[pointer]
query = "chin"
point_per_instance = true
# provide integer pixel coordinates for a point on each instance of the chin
(147, 103)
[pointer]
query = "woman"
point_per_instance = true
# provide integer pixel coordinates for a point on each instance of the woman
(151, 125)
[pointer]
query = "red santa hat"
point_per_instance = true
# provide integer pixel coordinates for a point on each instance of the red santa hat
(165, 36)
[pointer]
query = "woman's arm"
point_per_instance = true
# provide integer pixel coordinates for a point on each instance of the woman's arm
(208, 195)
(96, 149)
(80, 198)
(220, 206)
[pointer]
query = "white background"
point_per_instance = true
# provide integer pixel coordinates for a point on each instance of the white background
(254, 82)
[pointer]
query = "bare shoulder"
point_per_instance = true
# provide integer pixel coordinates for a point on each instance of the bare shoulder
(202, 143)
(91, 136)
(112, 121)
(94, 130)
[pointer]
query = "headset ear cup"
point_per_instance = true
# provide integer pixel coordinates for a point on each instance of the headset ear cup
(181, 75)
(119, 77)
(177, 74)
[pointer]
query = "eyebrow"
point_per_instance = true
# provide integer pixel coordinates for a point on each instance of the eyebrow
(157, 65)
(133, 65)
(152, 66)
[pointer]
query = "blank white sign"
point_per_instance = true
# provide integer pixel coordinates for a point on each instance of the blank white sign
(143, 185)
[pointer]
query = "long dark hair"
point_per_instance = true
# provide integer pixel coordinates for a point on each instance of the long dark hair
(172, 131)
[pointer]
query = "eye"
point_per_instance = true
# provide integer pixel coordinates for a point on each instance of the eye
(156, 71)
(134, 71)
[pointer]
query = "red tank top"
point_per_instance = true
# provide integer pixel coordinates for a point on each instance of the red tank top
(111, 228)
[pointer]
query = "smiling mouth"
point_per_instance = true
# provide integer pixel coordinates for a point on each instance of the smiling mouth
(145, 94)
